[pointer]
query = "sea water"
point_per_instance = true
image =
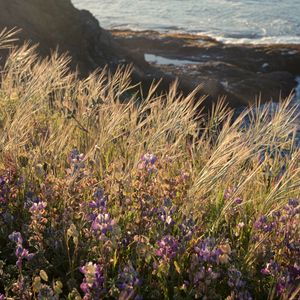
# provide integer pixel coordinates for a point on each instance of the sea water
(229, 21)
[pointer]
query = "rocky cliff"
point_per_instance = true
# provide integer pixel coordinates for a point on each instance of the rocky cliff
(57, 23)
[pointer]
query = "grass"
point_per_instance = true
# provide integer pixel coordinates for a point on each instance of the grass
(104, 195)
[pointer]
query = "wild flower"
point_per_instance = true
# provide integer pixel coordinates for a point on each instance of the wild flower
(45, 292)
(129, 283)
(204, 269)
(237, 285)
(166, 212)
(167, 248)
(93, 282)
(238, 200)
(102, 224)
(187, 228)
(21, 253)
(179, 232)
(100, 200)
(229, 192)
(38, 222)
(101, 221)
(148, 161)
(4, 189)
(76, 161)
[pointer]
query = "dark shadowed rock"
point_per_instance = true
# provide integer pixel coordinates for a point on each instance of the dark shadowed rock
(241, 72)
(57, 23)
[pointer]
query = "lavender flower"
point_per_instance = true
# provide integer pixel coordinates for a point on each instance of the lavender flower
(187, 228)
(93, 282)
(263, 224)
(207, 251)
(238, 200)
(238, 285)
(149, 159)
(166, 212)
(16, 237)
(229, 192)
(100, 200)
(38, 208)
(46, 292)
(76, 160)
(21, 253)
(293, 203)
(129, 282)
(270, 268)
(168, 247)
(102, 224)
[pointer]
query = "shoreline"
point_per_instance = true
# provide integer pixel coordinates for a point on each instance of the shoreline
(242, 41)
(241, 72)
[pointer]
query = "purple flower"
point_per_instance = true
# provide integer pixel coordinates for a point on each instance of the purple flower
(102, 224)
(235, 280)
(38, 207)
(30, 199)
(229, 192)
(46, 292)
(2, 297)
(16, 237)
(281, 286)
(21, 253)
(263, 224)
(100, 200)
(238, 200)
(207, 251)
(187, 228)
(93, 282)
(293, 203)
(168, 247)
(149, 159)
(76, 160)
(128, 283)
(271, 268)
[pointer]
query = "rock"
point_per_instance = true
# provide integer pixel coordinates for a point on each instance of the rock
(242, 73)
(57, 23)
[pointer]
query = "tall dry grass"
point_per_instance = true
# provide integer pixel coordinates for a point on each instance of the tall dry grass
(46, 111)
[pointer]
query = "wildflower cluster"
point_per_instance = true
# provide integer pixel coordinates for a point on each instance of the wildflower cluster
(279, 238)
(138, 241)
(93, 282)
(101, 221)
(21, 252)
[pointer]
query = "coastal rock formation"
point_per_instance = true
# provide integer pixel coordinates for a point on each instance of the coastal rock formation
(241, 73)
(58, 24)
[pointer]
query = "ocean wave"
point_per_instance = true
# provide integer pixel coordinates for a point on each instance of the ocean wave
(269, 40)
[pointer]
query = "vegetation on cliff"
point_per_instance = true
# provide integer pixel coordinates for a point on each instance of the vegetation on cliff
(104, 195)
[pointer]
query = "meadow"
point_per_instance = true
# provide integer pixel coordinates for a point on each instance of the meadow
(105, 194)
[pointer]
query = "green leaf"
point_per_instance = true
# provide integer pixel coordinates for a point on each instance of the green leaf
(115, 259)
(36, 285)
(177, 268)
(58, 287)
(44, 275)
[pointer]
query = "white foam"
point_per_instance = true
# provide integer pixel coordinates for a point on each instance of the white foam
(160, 60)
(295, 40)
